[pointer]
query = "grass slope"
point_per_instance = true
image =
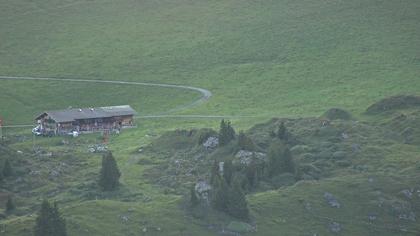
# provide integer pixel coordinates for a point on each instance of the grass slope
(264, 58)
(268, 58)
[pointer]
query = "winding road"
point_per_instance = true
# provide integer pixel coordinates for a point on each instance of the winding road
(205, 95)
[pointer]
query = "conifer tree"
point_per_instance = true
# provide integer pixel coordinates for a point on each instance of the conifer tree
(49, 221)
(222, 133)
(219, 194)
(251, 174)
(280, 159)
(288, 162)
(226, 133)
(230, 131)
(193, 197)
(228, 171)
(10, 206)
(214, 172)
(237, 205)
(7, 169)
(282, 132)
(109, 174)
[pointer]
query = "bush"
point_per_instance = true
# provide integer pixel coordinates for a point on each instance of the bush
(337, 114)
(245, 143)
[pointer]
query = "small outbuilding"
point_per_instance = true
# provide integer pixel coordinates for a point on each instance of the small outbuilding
(84, 120)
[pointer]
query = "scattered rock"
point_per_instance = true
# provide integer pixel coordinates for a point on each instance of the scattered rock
(334, 227)
(407, 193)
(54, 174)
(331, 200)
(47, 154)
(97, 148)
(211, 143)
(356, 147)
(411, 216)
(344, 135)
(372, 216)
(308, 206)
(202, 189)
(245, 157)
(124, 218)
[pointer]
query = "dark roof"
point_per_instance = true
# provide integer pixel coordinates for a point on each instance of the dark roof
(73, 114)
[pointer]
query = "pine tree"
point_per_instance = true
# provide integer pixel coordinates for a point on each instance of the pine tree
(49, 221)
(280, 159)
(228, 171)
(282, 132)
(245, 143)
(223, 133)
(10, 206)
(193, 197)
(230, 131)
(109, 174)
(237, 205)
(226, 133)
(251, 173)
(219, 194)
(288, 162)
(214, 172)
(7, 169)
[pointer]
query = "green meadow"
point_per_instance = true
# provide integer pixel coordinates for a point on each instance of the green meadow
(260, 59)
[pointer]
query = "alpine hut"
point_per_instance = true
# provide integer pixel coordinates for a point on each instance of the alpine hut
(84, 120)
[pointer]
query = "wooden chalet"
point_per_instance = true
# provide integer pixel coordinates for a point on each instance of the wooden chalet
(82, 120)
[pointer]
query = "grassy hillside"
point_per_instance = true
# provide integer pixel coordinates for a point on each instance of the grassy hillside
(261, 59)
(272, 58)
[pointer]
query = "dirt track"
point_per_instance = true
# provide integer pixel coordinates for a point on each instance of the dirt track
(205, 95)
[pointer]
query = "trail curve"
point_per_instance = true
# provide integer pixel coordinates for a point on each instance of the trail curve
(205, 94)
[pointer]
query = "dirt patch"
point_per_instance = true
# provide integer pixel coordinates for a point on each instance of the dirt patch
(394, 103)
